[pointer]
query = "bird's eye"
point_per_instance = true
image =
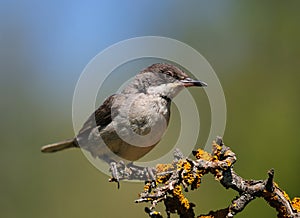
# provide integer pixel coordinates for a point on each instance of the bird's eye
(170, 73)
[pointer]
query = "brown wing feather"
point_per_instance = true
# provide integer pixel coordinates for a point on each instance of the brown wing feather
(100, 118)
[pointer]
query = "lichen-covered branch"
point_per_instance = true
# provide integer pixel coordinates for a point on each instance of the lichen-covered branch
(171, 180)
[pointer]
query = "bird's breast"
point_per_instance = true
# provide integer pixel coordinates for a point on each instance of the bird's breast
(138, 124)
(142, 119)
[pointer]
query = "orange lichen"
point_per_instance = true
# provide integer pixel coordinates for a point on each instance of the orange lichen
(229, 163)
(201, 154)
(183, 174)
(197, 181)
(216, 151)
(147, 186)
(180, 165)
(272, 198)
(164, 167)
(286, 196)
(160, 168)
(187, 166)
(228, 153)
(218, 174)
(177, 192)
(188, 175)
(296, 203)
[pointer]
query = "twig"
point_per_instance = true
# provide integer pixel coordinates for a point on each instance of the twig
(185, 173)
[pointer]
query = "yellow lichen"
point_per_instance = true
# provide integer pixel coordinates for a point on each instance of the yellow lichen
(155, 213)
(216, 151)
(177, 192)
(160, 168)
(197, 181)
(180, 165)
(228, 153)
(201, 154)
(218, 174)
(187, 166)
(296, 203)
(147, 187)
(284, 193)
(228, 163)
(164, 167)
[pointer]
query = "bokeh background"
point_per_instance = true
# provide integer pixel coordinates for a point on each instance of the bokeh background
(254, 48)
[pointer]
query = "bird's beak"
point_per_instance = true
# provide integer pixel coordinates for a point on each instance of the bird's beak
(187, 82)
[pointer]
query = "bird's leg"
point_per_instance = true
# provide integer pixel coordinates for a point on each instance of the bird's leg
(151, 176)
(120, 171)
(114, 173)
(142, 173)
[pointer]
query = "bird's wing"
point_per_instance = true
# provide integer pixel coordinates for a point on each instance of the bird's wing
(100, 118)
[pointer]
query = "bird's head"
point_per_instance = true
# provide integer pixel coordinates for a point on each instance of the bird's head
(164, 79)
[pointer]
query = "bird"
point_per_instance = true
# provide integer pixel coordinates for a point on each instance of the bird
(130, 123)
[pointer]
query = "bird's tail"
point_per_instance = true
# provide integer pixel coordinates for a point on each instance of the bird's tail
(69, 143)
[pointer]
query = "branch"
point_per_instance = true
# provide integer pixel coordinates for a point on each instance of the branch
(184, 174)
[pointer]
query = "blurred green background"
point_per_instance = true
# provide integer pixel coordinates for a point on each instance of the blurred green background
(254, 48)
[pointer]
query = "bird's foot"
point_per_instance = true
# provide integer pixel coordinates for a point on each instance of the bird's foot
(121, 171)
(146, 174)
(116, 170)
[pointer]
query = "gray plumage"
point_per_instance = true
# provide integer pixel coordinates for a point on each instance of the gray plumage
(129, 124)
